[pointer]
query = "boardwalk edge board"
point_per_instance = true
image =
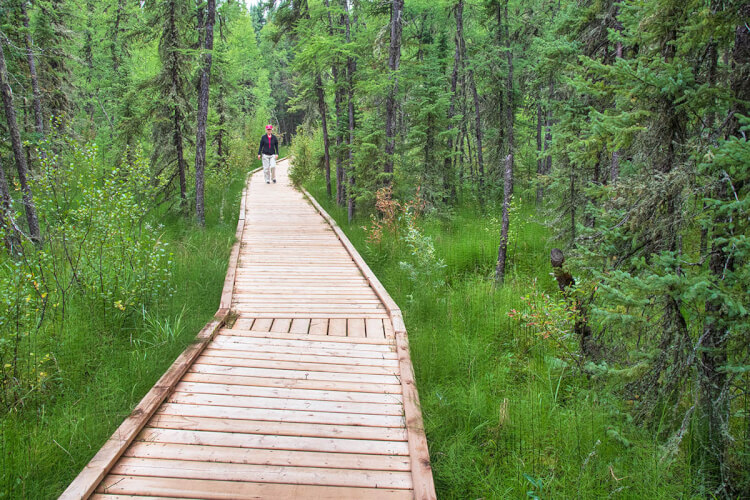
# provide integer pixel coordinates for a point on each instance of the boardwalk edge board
(93, 473)
(423, 483)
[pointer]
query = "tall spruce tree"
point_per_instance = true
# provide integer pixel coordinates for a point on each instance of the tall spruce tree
(203, 98)
(172, 109)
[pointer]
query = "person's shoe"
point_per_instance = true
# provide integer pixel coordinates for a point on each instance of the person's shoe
(268, 182)
(274, 181)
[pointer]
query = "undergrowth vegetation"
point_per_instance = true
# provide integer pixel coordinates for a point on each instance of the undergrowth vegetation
(508, 410)
(93, 316)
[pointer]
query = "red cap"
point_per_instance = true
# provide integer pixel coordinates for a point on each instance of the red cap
(269, 127)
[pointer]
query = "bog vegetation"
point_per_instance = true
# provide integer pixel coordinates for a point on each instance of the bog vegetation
(458, 142)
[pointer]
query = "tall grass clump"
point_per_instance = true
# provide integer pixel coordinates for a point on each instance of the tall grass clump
(92, 317)
(509, 409)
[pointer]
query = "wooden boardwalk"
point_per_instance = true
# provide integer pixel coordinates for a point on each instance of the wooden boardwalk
(302, 386)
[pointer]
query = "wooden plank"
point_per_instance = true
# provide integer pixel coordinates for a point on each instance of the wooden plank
(355, 327)
(261, 473)
(286, 341)
(301, 358)
(309, 336)
(224, 490)
(85, 483)
(298, 309)
(286, 295)
(318, 350)
(374, 328)
(306, 281)
(301, 302)
(274, 442)
(226, 294)
(243, 324)
(262, 324)
(281, 325)
(217, 359)
(243, 201)
(165, 421)
(294, 374)
(283, 392)
(317, 315)
(285, 404)
(300, 325)
(424, 486)
(321, 385)
(259, 456)
(104, 496)
(337, 327)
(299, 416)
(388, 327)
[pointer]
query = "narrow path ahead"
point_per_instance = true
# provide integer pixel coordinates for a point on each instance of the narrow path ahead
(309, 393)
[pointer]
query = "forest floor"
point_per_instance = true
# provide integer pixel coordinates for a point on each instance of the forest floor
(506, 413)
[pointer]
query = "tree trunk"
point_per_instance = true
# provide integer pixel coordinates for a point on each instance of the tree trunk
(713, 380)
(17, 146)
(614, 167)
(221, 150)
(394, 58)
(572, 206)
(548, 134)
(323, 109)
(351, 206)
(177, 138)
(115, 34)
(502, 251)
(351, 67)
(448, 162)
(7, 217)
(510, 106)
(478, 132)
(203, 95)
(36, 96)
(88, 56)
(340, 192)
(539, 160)
(339, 126)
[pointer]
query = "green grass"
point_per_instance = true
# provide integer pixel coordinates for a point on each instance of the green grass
(503, 418)
(106, 367)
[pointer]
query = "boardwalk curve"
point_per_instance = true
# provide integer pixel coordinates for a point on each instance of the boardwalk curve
(301, 387)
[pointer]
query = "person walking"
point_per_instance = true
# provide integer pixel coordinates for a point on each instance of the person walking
(269, 151)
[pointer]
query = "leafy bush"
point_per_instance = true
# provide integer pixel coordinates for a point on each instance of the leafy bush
(398, 223)
(99, 250)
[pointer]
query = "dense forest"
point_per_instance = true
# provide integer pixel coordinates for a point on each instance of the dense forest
(556, 192)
